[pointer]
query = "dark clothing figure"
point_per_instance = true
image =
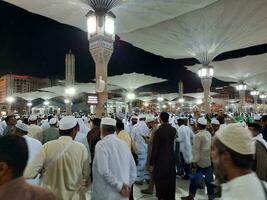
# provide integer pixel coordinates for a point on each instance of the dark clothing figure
(264, 133)
(163, 160)
(93, 137)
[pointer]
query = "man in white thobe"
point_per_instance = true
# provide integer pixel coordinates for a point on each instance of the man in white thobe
(34, 146)
(114, 169)
(139, 132)
(185, 139)
(35, 131)
(64, 164)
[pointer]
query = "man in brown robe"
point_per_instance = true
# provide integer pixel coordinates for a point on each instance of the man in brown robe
(13, 160)
(163, 159)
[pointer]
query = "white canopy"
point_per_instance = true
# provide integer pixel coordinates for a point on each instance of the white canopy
(131, 14)
(250, 69)
(198, 95)
(132, 81)
(30, 96)
(205, 33)
(79, 88)
(172, 28)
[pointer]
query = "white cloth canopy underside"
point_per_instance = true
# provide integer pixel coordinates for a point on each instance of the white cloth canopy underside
(198, 95)
(250, 69)
(205, 33)
(130, 14)
(132, 81)
(30, 96)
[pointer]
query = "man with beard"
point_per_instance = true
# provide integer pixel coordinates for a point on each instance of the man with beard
(232, 152)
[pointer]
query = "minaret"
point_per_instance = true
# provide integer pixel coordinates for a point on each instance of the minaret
(69, 69)
(69, 78)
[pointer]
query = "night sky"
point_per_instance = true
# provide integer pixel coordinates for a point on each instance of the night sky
(34, 45)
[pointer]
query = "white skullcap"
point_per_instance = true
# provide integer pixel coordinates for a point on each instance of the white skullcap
(150, 118)
(22, 126)
(67, 123)
(120, 116)
(108, 121)
(19, 121)
(257, 117)
(141, 116)
(215, 121)
(134, 117)
(17, 117)
(237, 138)
(33, 118)
(202, 121)
(53, 121)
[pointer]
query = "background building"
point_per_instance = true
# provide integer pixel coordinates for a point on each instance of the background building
(11, 84)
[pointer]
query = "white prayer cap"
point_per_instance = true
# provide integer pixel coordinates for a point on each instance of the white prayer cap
(120, 115)
(17, 117)
(33, 118)
(141, 116)
(237, 138)
(22, 126)
(67, 123)
(202, 121)
(215, 121)
(257, 117)
(108, 121)
(150, 118)
(134, 117)
(53, 121)
(19, 121)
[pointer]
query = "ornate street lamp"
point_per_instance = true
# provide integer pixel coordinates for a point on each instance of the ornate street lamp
(206, 73)
(10, 100)
(29, 105)
(101, 36)
(241, 88)
(255, 93)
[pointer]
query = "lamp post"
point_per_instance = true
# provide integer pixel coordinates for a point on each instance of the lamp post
(69, 94)
(263, 98)
(29, 105)
(206, 73)
(255, 93)
(10, 100)
(130, 96)
(101, 36)
(46, 104)
(241, 88)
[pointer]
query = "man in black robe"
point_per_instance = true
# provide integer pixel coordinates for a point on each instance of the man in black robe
(163, 159)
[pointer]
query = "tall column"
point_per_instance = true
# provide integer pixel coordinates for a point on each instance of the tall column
(101, 50)
(255, 98)
(242, 97)
(10, 90)
(206, 84)
(69, 78)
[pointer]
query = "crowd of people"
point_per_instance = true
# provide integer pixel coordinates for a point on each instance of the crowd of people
(68, 158)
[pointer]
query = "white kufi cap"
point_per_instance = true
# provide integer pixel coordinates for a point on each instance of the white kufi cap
(53, 121)
(67, 123)
(202, 121)
(22, 126)
(215, 121)
(33, 118)
(141, 116)
(108, 121)
(150, 118)
(237, 138)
